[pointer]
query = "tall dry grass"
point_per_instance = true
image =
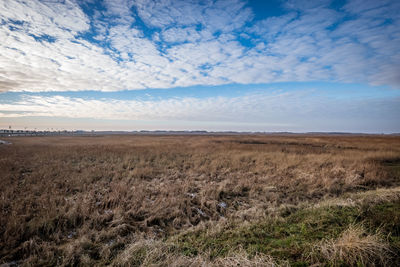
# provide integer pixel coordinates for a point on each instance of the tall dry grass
(70, 200)
(355, 247)
(152, 252)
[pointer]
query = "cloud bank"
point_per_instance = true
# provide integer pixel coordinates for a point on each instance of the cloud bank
(125, 45)
(300, 110)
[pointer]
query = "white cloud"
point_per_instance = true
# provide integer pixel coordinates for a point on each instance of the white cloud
(243, 108)
(295, 111)
(186, 43)
(179, 35)
(55, 18)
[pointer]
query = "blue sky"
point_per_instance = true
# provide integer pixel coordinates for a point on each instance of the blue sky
(200, 65)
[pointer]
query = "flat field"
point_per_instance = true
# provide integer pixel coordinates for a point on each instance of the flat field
(256, 200)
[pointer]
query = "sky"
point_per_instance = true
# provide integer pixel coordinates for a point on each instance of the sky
(216, 65)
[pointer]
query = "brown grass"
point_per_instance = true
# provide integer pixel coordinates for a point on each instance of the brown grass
(71, 200)
(355, 247)
(155, 253)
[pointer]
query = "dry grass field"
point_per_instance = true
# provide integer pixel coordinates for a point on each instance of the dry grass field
(252, 200)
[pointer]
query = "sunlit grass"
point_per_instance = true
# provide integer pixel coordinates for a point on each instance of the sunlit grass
(197, 199)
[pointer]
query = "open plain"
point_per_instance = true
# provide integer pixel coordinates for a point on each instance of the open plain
(247, 200)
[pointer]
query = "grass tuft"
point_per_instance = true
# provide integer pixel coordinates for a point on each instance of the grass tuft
(355, 247)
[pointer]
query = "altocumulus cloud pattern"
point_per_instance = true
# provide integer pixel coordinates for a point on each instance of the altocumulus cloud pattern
(113, 45)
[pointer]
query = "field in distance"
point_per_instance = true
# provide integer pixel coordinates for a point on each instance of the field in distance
(247, 200)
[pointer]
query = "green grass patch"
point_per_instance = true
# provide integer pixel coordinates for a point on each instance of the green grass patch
(285, 239)
(291, 237)
(386, 218)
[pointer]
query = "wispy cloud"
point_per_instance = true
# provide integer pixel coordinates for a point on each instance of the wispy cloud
(123, 45)
(176, 108)
(298, 110)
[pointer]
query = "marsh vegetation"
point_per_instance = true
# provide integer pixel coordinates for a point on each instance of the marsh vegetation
(200, 200)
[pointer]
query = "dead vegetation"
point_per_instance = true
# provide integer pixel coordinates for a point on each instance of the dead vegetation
(355, 246)
(156, 253)
(86, 200)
